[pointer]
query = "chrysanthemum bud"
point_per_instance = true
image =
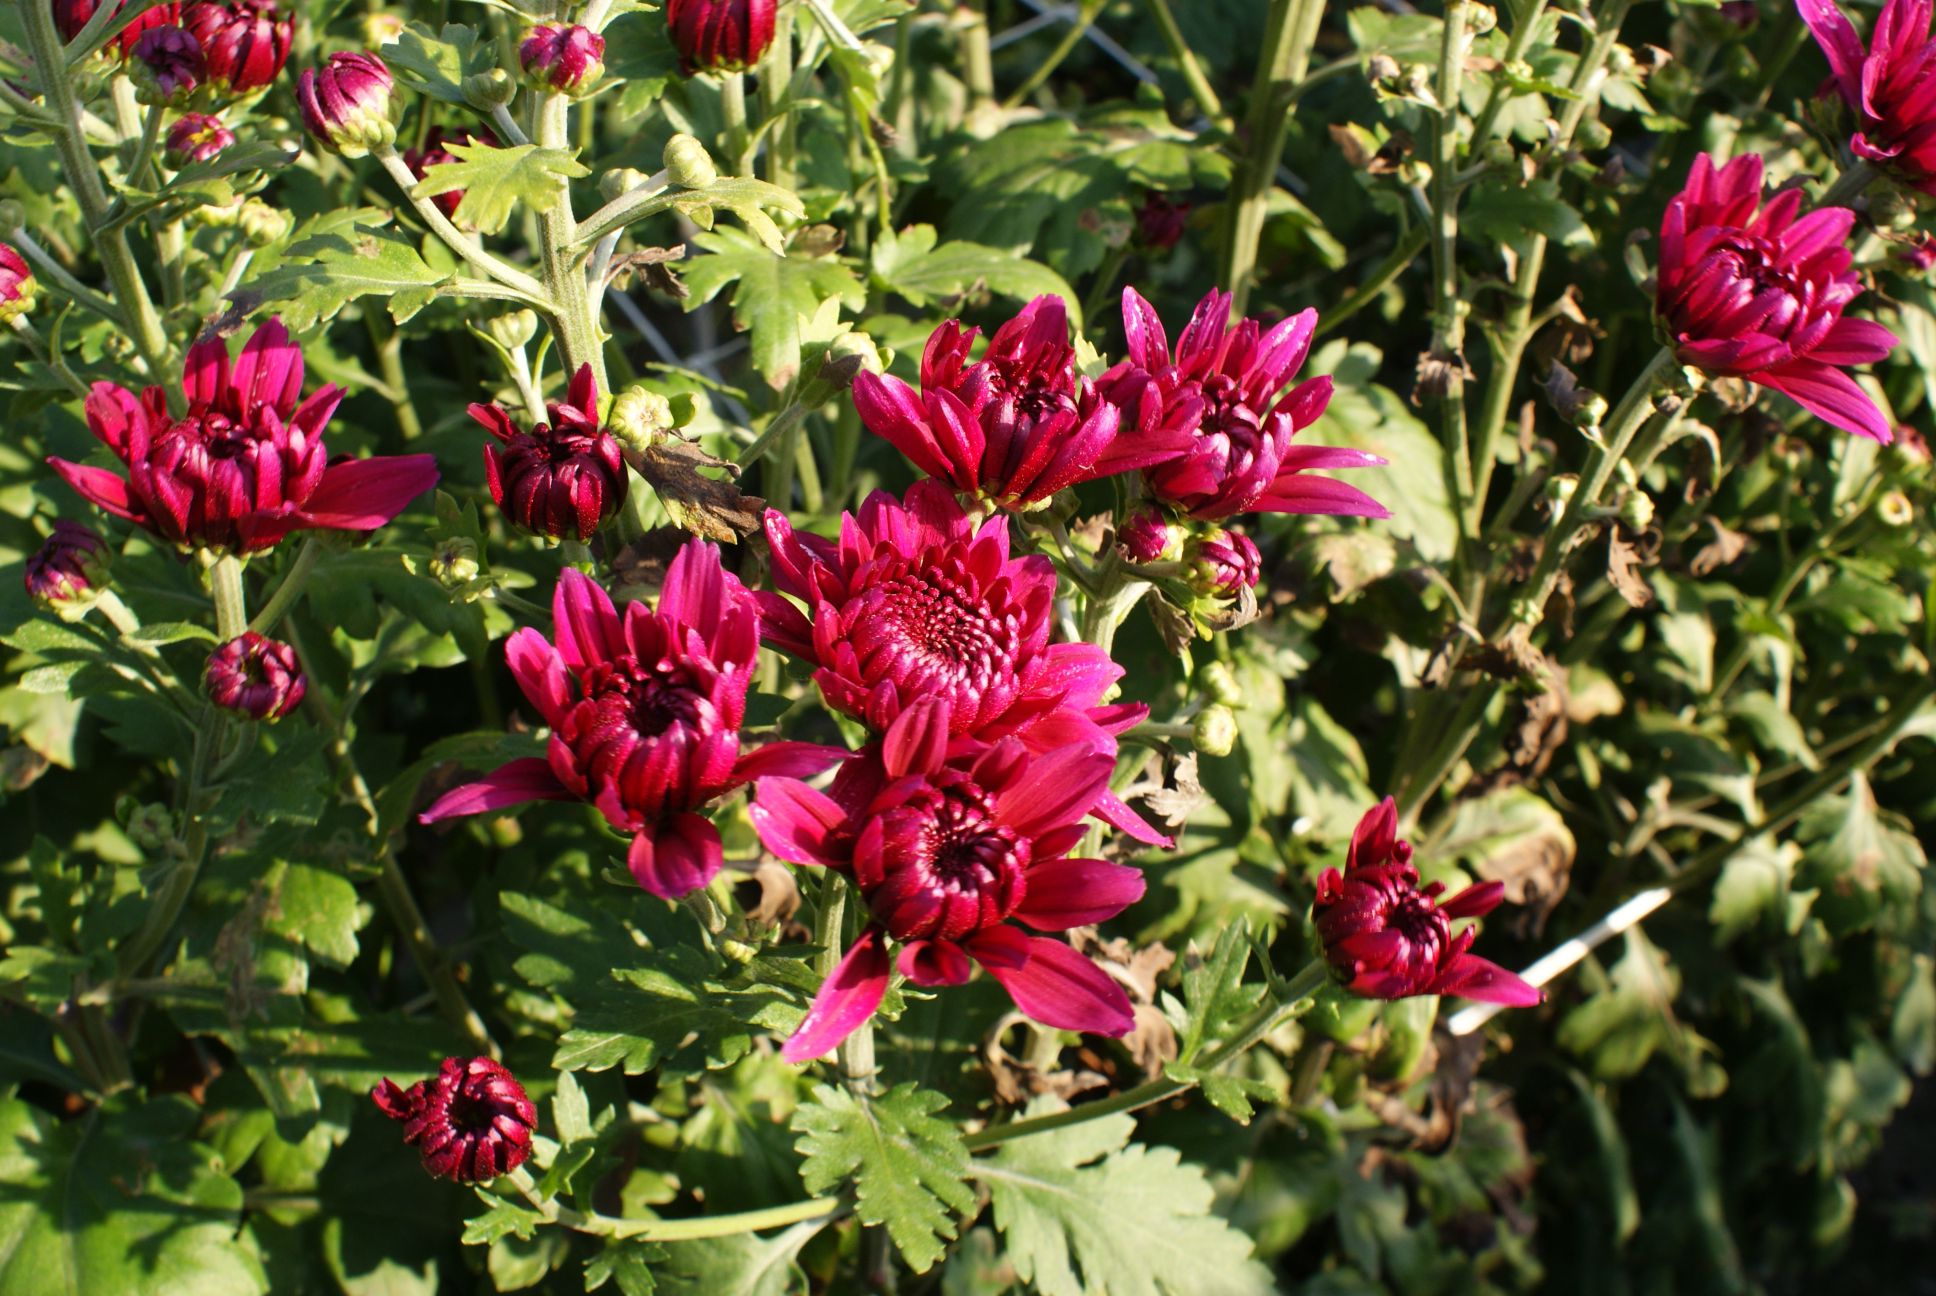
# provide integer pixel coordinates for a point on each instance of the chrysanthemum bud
(149, 824)
(1637, 510)
(566, 59)
(559, 479)
(1895, 510)
(262, 224)
(1480, 19)
(256, 677)
(246, 42)
(18, 287)
(68, 572)
(620, 181)
(453, 563)
(195, 137)
(515, 329)
(381, 29)
(1214, 731)
(720, 35)
(470, 1122)
(347, 103)
(1147, 536)
(166, 66)
(73, 15)
(1220, 682)
(1560, 490)
(1225, 563)
(688, 164)
(492, 88)
(640, 418)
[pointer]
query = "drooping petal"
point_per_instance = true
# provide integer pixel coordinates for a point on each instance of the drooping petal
(1831, 395)
(1475, 901)
(112, 413)
(1471, 977)
(364, 494)
(785, 759)
(1060, 788)
(935, 963)
(100, 487)
(798, 824)
(1069, 893)
(514, 783)
(1052, 984)
(846, 999)
(676, 857)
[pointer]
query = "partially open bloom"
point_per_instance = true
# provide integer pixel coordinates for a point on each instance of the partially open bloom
(1226, 562)
(720, 35)
(471, 1122)
(346, 104)
(644, 711)
(69, 570)
(570, 59)
(433, 153)
(246, 465)
(562, 478)
(167, 66)
(1753, 292)
(195, 137)
(255, 676)
(1889, 86)
(1388, 938)
(1016, 426)
(246, 42)
(947, 842)
(18, 287)
(72, 15)
(1220, 395)
(1147, 536)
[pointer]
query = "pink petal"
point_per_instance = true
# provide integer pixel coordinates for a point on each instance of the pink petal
(890, 409)
(1149, 345)
(1831, 396)
(696, 587)
(1377, 833)
(1304, 493)
(1069, 893)
(676, 857)
(1058, 789)
(786, 759)
(917, 741)
(269, 369)
(205, 373)
(100, 487)
(364, 494)
(1472, 977)
(1112, 810)
(1475, 901)
(540, 673)
(846, 999)
(935, 963)
(515, 783)
(111, 412)
(587, 627)
(1855, 341)
(1051, 983)
(799, 824)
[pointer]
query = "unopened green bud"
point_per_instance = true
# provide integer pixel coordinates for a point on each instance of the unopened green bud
(262, 224)
(640, 418)
(1589, 412)
(688, 164)
(453, 564)
(1215, 731)
(1895, 510)
(1560, 491)
(148, 824)
(620, 181)
(492, 88)
(515, 329)
(1637, 510)
(1890, 210)
(1480, 19)
(1499, 153)
(12, 216)
(1220, 682)
(381, 29)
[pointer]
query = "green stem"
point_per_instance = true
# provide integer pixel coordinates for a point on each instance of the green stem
(1292, 26)
(732, 108)
(289, 590)
(44, 352)
(1273, 1013)
(231, 605)
(467, 248)
(1849, 185)
(1200, 88)
(53, 272)
(564, 279)
(1448, 307)
(1524, 29)
(1410, 244)
(977, 60)
(817, 1210)
(1085, 19)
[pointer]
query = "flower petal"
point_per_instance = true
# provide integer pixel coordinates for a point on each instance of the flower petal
(586, 629)
(799, 824)
(1069, 893)
(676, 857)
(1377, 833)
(100, 487)
(519, 781)
(1052, 984)
(846, 999)
(1831, 395)
(1472, 977)
(364, 494)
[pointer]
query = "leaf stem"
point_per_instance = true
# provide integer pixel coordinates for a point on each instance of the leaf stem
(1079, 25)
(1200, 87)
(821, 1210)
(1849, 185)
(290, 589)
(467, 248)
(1291, 28)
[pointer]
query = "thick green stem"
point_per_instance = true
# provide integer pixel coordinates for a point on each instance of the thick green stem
(1200, 88)
(564, 278)
(1448, 306)
(231, 605)
(977, 60)
(1849, 185)
(1291, 28)
(55, 274)
(817, 1210)
(289, 590)
(732, 108)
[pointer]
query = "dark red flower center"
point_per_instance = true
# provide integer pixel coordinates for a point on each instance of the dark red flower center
(932, 632)
(946, 867)
(638, 701)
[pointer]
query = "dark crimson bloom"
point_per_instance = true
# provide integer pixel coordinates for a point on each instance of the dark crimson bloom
(1160, 223)
(257, 677)
(1220, 395)
(570, 59)
(346, 103)
(72, 15)
(645, 712)
(1147, 536)
(69, 570)
(471, 1122)
(18, 287)
(1018, 425)
(562, 478)
(1759, 294)
(1890, 87)
(434, 153)
(195, 137)
(1387, 938)
(915, 601)
(720, 35)
(1742, 13)
(246, 464)
(1227, 562)
(167, 66)
(948, 841)
(246, 42)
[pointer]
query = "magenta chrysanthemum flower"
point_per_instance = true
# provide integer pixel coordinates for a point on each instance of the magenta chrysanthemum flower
(1220, 396)
(69, 570)
(433, 153)
(346, 103)
(255, 676)
(471, 1122)
(167, 66)
(948, 842)
(246, 42)
(720, 35)
(644, 711)
(1387, 938)
(195, 137)
(562, 478)
(72, 15)
(915, 601)
(246, 465)
(570, 59)
(1018, 425)
(1759, 294)
(18, 287)
(1891, 86)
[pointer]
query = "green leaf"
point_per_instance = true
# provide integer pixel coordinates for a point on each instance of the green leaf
(321, 275)
(571, 1112)
(747, 199)
(1083, 1215)
(496, 180)
(911, 264)
(319, 909)
(1866, 866)
(907, 1165)
(1503, 213)
(1631, 1017)
(504, 1219)
(741, 1265)
(1756, 890)
(1366, 416)
(1214, 995)
(660, 1019)
(158, 633)
(774, 294)
(120, 1200)
(627, 1265)
(438, 63)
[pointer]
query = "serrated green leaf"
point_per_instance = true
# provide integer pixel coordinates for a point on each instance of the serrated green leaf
(323, 274)
(906, 1164)
(158, 633)
(319, 909)
(1867, 867)
(660, 1019)
(504, 1219)
(772, 294)
(911, 264)
(1214, 995)
(496, 180)
(437, 63)
(742, 1265)
(1083, 1215)
(627, 1265)
(571, 1111)
(1500, 212)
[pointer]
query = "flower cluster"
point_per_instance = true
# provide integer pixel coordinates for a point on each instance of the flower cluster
(245, 42)
(1888, 86)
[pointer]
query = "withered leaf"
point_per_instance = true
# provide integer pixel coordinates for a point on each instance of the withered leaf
(1175, 803)
(1628, 554)
(705, 506)
(1724, 550)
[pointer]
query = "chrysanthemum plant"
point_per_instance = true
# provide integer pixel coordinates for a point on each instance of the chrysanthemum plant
(812, 640)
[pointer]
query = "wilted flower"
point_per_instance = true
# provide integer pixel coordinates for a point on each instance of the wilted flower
(720, 35)
(1217, 396)
(569, 59)
(1888, 86)
(948, 842)
(69, 570)
(18, 287)
(1018, 425)
(434, 152)
(346, 104)
(195, 137)
(255, 676)
(562, 478)
(471, 1122)
(1759, 294)
(1226, 562)
(1146, 536)
(246, 465)
(72, 15)
(246, 42)
(645, 712)
(166, 66)
(1388, 938)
